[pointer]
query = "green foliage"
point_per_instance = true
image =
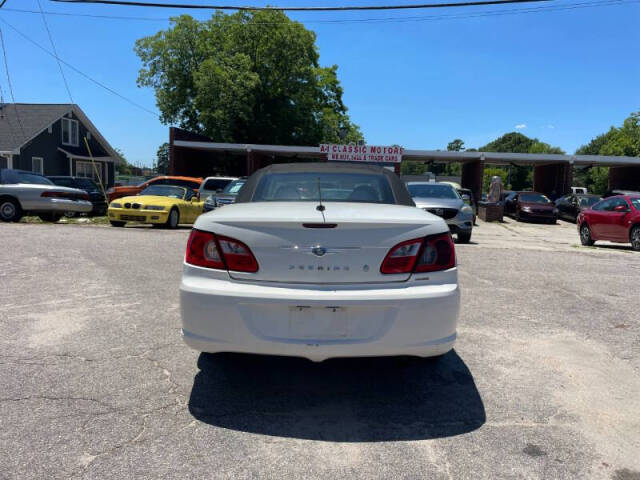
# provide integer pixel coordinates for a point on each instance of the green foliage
(248, 77)
(162, 159)
(125, 167)
(623, 141)
(520, 178)
(456, 145)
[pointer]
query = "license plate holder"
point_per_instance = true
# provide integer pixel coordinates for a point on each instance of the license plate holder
(318, 322)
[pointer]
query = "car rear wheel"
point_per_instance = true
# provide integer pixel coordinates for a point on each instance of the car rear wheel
(10, 210)
(634, 236)
(116, 224)
(173, 219)
(50, 217)
(585, 235)
(464, 237)
(517, 216)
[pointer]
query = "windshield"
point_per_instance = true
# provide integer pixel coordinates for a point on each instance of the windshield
(334, 187)
(589, 201)
(234, 187)
(533, 198)
(164, 191)
(422, 190)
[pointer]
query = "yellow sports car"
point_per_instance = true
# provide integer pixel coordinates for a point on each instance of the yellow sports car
(160, 205)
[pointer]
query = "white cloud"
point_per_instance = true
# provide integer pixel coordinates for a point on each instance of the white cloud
(550, 126)
(520, 126)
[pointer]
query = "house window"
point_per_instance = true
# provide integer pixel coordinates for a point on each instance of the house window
(37, 165)
(69, 132)
(86, 170)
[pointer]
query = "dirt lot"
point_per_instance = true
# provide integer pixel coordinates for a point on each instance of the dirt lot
(96, 383)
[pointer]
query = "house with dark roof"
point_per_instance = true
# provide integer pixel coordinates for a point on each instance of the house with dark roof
(50, 139)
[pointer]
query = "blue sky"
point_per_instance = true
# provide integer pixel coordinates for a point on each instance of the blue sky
(562, 76)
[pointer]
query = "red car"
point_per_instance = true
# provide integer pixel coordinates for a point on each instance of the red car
(616, 219)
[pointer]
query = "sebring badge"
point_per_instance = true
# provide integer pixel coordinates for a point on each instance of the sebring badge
(318, 251)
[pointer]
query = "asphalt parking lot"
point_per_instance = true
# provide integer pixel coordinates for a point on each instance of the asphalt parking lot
(544, 381)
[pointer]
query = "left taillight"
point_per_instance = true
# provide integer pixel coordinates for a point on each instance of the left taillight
(429, 254)
(67, 195)
(205, 249)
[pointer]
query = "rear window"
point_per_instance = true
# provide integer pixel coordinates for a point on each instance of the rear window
(333, 187)
(234, 187)
(432, 191)
(215, 184)
(13, 176)
(533, 198)
(636, 203)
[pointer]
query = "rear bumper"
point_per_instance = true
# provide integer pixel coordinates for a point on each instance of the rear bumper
(319, 322)
(61, 205)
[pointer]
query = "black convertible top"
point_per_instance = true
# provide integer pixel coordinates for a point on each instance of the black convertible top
(400, 192)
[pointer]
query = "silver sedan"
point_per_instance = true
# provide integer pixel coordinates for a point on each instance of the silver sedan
(27, 193)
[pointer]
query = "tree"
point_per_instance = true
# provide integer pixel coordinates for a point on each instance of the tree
(249, 77)
(456, 145)
(515, 142)
(162, 159)
(125, 167)
(624, 141)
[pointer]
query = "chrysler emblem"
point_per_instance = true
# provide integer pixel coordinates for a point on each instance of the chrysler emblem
(318, 251)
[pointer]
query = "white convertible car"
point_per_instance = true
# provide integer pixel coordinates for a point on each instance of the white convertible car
(321, 260)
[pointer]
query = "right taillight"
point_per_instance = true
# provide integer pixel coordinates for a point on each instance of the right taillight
(429, 254)
(205, 249)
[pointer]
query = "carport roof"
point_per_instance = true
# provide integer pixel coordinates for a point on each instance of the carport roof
(437, 156)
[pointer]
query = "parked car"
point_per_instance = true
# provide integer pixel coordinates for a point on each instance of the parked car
(469, 199)
(227, 196)
(187, 182)
(613, 192)
(96, 195)
(442, 200)
(616, 219)
(572, 204)
(159, 205)
(361, 272)
(530, 206)
(26, 193)
(212, 185)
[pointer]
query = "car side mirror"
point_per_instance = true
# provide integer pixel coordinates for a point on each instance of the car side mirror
(621, 209)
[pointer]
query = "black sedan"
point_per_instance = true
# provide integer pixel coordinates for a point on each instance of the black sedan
(570, 206)
(96, 196)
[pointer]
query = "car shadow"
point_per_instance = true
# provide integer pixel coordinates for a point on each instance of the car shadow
(345, 400)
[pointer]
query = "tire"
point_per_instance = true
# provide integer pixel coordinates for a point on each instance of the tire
(50, 217)
(585, 235)
(634, 236)
(464, 237)
(517, 216)
(71, 214)
(10, 210)
(116, 224)
(173, 219)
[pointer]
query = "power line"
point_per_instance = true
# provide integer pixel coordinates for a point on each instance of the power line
(133, 3)
(79, 72)
(416, 18)
(53, 46)
(6, 66)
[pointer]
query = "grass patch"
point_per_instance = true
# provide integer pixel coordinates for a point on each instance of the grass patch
(71, 221)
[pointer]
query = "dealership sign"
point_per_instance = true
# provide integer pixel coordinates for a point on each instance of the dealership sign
(362, 153)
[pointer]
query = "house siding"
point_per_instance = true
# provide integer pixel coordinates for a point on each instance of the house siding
(46, 145)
